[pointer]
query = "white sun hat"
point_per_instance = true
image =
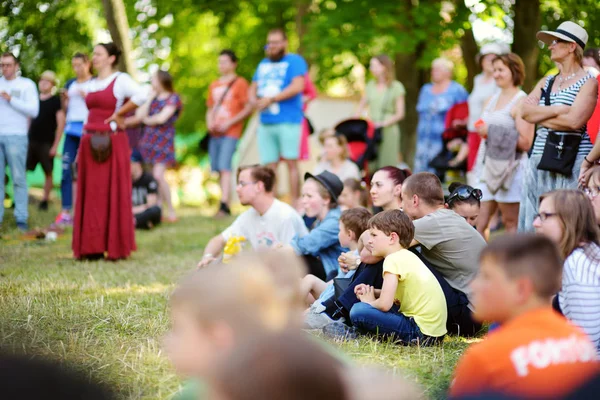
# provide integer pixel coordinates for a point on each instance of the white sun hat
(567, 31)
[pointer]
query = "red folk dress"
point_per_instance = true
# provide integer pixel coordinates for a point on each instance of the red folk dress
(103, 222)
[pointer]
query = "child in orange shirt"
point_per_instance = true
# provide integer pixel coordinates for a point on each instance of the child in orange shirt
(535, 353)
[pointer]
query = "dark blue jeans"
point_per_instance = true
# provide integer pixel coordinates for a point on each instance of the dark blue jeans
(390, 324)
(70, 148)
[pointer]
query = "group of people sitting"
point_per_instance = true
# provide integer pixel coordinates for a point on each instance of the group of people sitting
(418, 270)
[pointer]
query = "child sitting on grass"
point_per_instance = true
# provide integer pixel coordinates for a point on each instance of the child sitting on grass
(410, 306)
(535, 352)
(352, 224)
(223, 305)
(354, 194)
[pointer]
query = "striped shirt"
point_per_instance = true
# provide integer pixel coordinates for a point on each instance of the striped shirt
(579, 297)
(563, 97)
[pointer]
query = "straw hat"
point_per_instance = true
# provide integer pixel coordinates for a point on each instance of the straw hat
(567, 31)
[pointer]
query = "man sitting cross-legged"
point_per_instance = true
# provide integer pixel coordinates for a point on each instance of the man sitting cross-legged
(450, 247)
(269, 222)
(144, 195)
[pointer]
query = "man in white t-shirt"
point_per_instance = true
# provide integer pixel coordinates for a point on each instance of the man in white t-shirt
(267, 223)
(450, 247)
(19, 103)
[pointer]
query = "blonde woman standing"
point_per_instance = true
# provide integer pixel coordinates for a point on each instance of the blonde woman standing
(384, 97)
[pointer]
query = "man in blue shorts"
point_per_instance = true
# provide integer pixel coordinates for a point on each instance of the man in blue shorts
(278, 84)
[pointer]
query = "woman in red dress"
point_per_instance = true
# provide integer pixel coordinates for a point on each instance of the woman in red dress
(103, 224)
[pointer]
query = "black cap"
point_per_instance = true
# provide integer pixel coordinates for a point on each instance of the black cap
(332, 183)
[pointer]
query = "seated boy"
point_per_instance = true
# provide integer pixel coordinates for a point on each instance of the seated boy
(144, 195)
(535, 352)
(352, 224)
(224, 305)
(410, 306)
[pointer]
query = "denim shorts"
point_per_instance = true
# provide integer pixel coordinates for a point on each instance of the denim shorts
(276, 141)
(220, 151)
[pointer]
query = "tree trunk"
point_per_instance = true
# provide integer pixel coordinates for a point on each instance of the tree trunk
(412, 78)
(527, 22)
(302, 10)
(469, 52)
(116, 20)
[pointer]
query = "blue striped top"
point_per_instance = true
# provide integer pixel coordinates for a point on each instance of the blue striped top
(563, 97)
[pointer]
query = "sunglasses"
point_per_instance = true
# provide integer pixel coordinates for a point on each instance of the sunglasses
(464, 193)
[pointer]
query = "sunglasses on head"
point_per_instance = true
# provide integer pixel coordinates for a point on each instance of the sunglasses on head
(464, 193)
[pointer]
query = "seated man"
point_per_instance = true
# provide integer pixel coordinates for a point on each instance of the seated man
(269, 222)
(449, 246)
(144, 195)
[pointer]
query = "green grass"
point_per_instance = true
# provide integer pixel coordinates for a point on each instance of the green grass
(109, 317)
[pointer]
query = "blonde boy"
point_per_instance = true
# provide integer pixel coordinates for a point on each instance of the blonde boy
(352, 224)
(535, 353)
(222, 305)
(410, 306)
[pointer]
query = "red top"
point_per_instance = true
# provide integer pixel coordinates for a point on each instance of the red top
(594, 123)
(101, 106)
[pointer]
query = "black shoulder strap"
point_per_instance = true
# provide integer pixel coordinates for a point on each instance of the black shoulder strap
(546, 92)
(225, 93)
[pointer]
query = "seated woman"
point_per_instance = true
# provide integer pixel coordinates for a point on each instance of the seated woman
(386, 187)
(567, 218)
(336, 158)
(354, 194)
(321, 247)
(465, 201)
(592, 189)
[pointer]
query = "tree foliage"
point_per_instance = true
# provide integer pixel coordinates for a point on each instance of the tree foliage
(335, 36)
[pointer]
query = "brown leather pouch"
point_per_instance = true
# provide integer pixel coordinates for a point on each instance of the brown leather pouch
(101, 146)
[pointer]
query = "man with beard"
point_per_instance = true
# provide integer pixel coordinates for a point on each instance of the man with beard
(268, 223)
(277, 88)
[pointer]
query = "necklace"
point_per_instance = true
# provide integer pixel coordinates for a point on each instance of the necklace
(561, 80)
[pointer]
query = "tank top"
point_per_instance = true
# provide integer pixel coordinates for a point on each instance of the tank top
(563, 97)
(500, 117)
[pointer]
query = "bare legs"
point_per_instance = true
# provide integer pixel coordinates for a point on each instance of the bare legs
(510, 216)
(164, 191)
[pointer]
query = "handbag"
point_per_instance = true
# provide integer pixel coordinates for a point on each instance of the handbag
(560, 150)
(204, 142)
(100, 146)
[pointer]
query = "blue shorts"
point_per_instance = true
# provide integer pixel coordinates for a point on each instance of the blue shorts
(276, 141)
(220, 151)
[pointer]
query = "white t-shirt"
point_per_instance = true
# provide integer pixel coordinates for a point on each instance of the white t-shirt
(480, 93)
(77, 110)
(278, 225)
(24, 104)
(125, 88)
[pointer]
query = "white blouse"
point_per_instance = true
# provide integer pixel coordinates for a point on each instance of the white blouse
(125, 88)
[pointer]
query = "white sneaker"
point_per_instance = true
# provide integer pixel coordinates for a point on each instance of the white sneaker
(315, 318)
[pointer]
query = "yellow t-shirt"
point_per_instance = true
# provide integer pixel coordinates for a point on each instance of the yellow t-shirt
(418, 292)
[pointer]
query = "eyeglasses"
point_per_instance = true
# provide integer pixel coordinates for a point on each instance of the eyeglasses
(557, 41)
(543, 216)
(244, 184)
(464, 192)
(592, 192)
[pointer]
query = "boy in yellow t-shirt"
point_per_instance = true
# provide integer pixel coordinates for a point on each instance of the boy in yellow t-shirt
(410, 306)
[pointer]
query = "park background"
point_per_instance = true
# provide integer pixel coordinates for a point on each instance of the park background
(109, 318)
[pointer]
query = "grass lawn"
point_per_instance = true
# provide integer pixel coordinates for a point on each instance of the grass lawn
(110, 317)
